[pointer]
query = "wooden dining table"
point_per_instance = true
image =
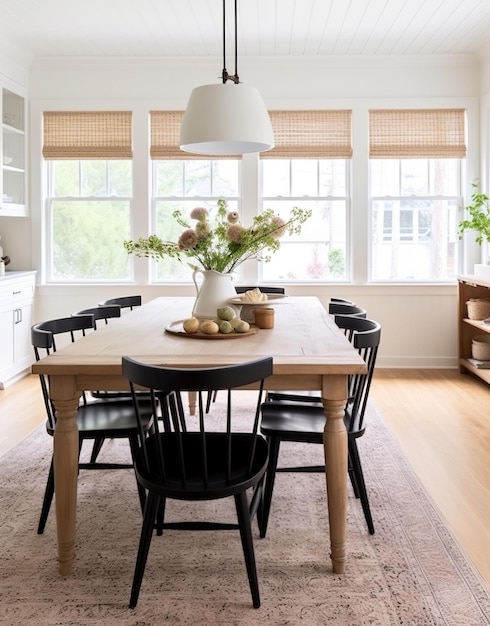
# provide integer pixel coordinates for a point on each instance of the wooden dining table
(309, 353)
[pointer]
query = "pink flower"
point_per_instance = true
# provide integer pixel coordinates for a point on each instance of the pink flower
(233, 217)
(199, 213)
(235, 232)
(278, 227)
(188, 239)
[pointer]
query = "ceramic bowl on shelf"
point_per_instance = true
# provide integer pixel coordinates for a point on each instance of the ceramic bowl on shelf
(7, 160)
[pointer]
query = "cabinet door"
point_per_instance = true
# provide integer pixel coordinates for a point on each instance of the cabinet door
(23, 351)
(6, 342)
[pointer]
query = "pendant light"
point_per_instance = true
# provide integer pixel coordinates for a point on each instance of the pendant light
(227, 118)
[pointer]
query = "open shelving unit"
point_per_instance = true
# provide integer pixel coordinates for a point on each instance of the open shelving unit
(471, 287)
(12, 143)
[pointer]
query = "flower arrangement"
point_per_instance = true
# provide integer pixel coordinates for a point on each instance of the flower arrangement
(221, 243)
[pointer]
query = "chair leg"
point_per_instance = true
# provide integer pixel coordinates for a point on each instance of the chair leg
(245, 525)
(270, 477)
(48, 498)
(361, 485)
(353, 478)
(134, 445)
(212, 395)
(144, 547)
(96, 449)
(161, 515)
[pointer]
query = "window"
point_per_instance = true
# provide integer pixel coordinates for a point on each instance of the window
(415, 193)
(185, 184)
(414, 213)
(89, 194)
(309, 167)
(320, 252)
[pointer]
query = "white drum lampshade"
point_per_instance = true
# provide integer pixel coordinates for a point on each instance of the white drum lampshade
(226, 118)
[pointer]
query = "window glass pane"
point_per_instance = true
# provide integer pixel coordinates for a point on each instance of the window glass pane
(168, 178)
(87, 240)
(385, 177)
(444, 177)
(93, 178)
(304, 177)
(119, 178)
(66, 181)
(85, 235)
(319, 252)
(414, 177)
(197, 178)
(332, 177)
(414, 231)
(225, 178)
(276, 177)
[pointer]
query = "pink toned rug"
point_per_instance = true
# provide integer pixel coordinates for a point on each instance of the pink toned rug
(410, 572)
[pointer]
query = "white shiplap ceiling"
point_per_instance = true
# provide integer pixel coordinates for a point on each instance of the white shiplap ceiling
(266, 27)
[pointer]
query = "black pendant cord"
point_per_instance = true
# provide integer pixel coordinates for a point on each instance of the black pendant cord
(236, 80)
(225, 76)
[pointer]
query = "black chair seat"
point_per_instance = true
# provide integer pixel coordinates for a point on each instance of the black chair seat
(218, 484)
(115, 419)
(306, 426)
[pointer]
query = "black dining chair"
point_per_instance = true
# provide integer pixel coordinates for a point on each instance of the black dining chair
(124, 302)
(101, 312)
(338, 308)
(204, 462)
(94, 419)
(344, 308)
(304, 422)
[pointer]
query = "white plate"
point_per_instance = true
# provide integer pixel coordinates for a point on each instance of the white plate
(271, 299)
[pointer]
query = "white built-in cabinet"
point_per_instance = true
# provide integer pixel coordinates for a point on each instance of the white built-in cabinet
(13, 151)
(16, 302)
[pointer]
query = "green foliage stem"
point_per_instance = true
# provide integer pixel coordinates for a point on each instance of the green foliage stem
(479, 211)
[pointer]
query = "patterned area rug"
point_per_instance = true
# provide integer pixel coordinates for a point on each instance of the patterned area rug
(410, 572)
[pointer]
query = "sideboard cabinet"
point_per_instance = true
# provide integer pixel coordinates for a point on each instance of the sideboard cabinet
(471, 287)
(16, 302)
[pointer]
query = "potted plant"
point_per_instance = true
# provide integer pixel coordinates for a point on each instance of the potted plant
(478, 222)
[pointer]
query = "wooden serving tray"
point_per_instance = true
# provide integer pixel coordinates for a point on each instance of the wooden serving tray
(176, 328)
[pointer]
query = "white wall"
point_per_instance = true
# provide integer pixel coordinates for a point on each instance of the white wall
(419, 321)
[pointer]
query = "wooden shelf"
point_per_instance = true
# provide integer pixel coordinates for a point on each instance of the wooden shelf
(471, 287)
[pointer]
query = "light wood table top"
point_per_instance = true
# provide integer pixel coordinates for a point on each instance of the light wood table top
(308, 350)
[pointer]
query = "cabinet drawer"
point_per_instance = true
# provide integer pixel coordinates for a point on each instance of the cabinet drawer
(13, 292)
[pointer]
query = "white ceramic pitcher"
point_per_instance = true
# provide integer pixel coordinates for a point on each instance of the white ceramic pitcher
(213, 291)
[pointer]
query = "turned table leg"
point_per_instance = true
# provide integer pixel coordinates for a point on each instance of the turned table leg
(65, 399)
(335, 445)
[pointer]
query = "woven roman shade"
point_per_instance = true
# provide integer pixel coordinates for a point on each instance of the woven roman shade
(322, 134)
(87, 135)
(165, 138)
(297, 134)
(417, 133)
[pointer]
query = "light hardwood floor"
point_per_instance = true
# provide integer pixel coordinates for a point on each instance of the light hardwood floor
(440, 418)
